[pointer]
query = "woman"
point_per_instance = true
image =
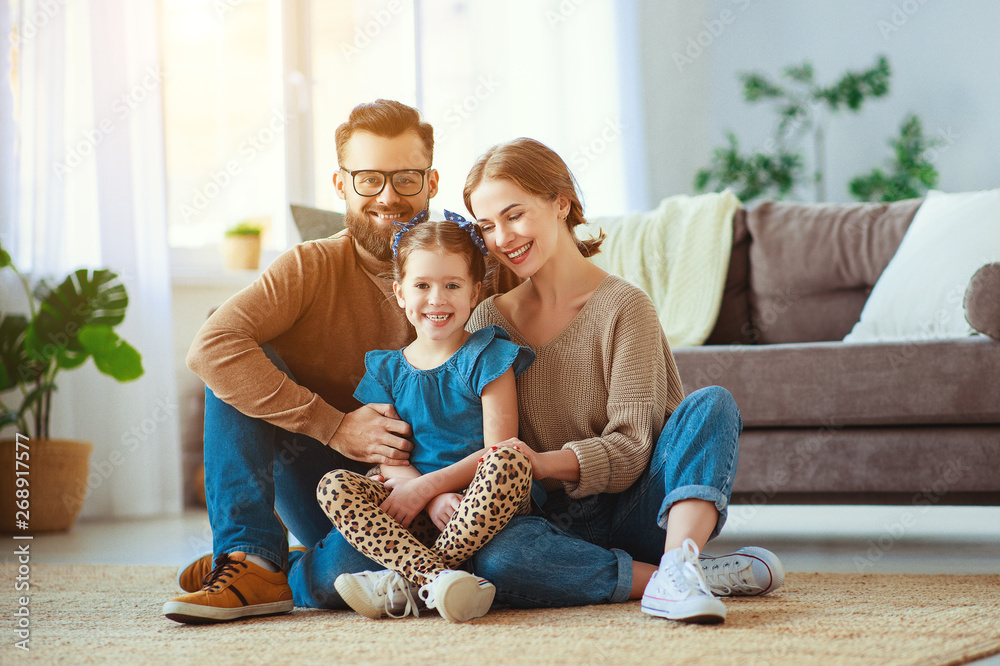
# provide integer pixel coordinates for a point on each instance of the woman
(636, 473)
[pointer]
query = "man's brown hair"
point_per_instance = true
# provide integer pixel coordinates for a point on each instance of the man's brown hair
(387, 118)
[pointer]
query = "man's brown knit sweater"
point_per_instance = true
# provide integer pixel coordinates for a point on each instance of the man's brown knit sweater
(321, 311)
(603, 387)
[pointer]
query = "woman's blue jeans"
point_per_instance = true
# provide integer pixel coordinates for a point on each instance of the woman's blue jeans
(581, 551)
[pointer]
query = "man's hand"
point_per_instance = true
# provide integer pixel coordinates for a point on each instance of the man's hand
(407, 498)
(374, 434)
(441, 508)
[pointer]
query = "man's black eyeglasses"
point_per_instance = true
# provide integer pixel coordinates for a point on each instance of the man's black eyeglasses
(369, 182)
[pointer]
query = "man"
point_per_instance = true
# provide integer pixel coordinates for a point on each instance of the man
(281, 360)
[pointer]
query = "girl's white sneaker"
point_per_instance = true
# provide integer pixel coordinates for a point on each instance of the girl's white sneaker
(458, 595)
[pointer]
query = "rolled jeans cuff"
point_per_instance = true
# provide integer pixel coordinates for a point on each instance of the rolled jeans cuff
(707, 493)
(624, 588)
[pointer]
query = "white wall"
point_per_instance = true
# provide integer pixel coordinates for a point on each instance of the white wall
(193, 299)
(944, 59)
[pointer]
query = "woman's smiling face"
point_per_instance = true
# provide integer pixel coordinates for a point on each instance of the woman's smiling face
(519, 228)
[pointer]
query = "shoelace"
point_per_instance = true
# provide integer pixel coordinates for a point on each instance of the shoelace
(686, 572)
(390, 583)
(225, 568)
(730, 579)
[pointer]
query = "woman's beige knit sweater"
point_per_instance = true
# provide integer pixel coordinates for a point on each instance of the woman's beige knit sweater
(603, 387)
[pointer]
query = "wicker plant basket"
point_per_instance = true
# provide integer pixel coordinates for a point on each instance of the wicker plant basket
(57, 484)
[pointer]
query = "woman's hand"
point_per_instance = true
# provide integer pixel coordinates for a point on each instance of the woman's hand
(536, 459)
(407, 498)
(441, 508)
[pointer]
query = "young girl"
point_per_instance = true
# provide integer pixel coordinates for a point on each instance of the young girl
(456, 390)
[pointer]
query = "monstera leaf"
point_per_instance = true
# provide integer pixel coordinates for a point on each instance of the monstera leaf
(12, 329)
(112, 355)
(85, 298)
(66, 325)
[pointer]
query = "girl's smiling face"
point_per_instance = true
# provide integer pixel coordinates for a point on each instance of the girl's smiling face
(519, 228)
(437, 293)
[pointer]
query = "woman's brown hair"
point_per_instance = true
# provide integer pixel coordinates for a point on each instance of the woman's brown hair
(538, 170)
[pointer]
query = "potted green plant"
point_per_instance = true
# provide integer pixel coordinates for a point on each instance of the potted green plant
(65, 326)
(241, 246)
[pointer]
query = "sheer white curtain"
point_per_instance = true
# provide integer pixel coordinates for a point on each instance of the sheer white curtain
(91, 170)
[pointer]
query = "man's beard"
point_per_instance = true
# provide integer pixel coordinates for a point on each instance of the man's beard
(372, 236)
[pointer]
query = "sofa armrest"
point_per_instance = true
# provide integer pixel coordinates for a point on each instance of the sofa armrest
(982, 301)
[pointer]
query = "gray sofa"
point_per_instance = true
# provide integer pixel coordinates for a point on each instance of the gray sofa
(826, 421)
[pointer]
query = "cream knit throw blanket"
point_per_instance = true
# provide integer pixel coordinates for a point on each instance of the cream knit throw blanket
(679, 255)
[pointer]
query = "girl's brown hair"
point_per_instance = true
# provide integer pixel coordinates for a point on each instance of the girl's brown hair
(439, 236)
(538, 170)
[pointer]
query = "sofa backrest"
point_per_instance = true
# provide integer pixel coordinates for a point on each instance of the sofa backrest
(802, 272)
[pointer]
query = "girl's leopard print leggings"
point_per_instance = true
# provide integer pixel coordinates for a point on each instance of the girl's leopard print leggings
(500, 490)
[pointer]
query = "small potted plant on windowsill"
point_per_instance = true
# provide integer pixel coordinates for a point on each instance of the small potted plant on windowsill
(241, 246)
(44, 480)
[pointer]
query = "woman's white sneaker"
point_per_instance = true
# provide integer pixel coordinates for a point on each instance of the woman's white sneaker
(458, 595)
(748, 572)
(678, 590)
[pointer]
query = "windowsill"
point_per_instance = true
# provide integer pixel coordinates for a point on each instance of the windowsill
(211, 276)
(202, 267)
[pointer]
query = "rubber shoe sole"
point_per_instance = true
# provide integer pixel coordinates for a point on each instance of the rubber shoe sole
(463, 598)
(701, 610)
(186, 613)
(354, 595)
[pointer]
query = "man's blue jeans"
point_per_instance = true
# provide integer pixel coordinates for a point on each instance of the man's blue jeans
(581, 551)
(255, 471)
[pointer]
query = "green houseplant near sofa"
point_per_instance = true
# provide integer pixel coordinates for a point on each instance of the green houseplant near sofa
(65, 326)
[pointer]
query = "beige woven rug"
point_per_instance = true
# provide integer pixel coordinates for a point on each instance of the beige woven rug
(111, 614)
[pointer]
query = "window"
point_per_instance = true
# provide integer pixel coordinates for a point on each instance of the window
(254, 91)
(224, 119)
